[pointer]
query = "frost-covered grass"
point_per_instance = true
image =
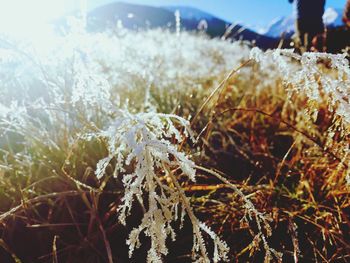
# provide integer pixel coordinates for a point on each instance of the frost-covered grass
(162, 147)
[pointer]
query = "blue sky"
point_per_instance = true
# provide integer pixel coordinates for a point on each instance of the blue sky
(249, 12)
(19, 15)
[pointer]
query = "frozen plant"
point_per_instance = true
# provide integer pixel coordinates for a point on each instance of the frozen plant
(178, 22)
(148, 143)
(321, 77)
(306, 75)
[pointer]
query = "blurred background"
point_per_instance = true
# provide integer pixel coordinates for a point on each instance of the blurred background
(264, 24)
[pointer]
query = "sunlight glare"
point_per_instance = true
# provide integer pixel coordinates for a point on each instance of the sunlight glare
(30, 18)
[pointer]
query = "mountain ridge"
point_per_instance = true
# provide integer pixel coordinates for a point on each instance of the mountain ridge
(189, 12)
(285, 25)
(140, 17)
(135, 16)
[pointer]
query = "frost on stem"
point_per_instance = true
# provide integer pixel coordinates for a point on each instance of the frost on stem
(307, 76)
(322, 78)
(253, 215)
(147, 141)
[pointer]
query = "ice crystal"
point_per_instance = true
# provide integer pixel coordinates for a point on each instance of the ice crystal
(148, 142)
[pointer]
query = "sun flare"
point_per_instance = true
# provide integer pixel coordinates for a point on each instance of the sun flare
(23, 18)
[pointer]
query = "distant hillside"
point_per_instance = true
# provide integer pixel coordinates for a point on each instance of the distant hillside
(218, 27)
(134, 17)
(190, 12)
(191, 17)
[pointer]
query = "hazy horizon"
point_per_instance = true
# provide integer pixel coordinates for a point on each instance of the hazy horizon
(22, 16)
(249, 13)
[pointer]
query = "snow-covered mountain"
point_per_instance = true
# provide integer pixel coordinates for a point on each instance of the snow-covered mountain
(281, 25)
(285, 25)
(333, 17)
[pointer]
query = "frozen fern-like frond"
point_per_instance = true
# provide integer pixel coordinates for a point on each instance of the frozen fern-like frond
(131, 134)
(324, 79)
(148, 143)
(307, 75)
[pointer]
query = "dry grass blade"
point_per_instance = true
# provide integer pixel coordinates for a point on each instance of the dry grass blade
(8, 250)
(309, 137)
(101, 228)
(194, 220)
(36, 200)
(54, 250)
(221, 85)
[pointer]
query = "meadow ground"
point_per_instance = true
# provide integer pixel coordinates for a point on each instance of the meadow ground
(162, 147)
